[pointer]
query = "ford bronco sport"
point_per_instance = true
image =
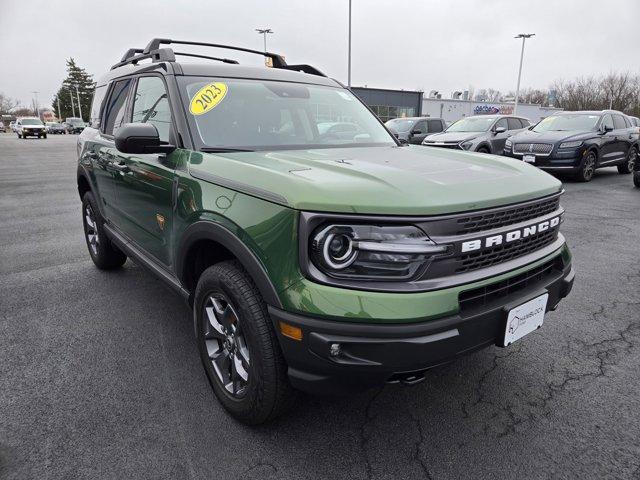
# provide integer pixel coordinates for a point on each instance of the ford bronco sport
(312, 261)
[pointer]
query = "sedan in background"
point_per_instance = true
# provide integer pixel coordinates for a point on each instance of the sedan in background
(578, 143)
(414, 129)
(74, 125)
(55, 128)
(479, 133)
(3, 129)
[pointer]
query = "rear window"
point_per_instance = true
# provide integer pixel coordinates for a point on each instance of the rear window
(618, 122)
(435, 126)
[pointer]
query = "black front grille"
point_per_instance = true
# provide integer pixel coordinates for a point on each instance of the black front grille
(443, 145)
(487, 221)
(478, 297)
(535, 148)
(468, 262)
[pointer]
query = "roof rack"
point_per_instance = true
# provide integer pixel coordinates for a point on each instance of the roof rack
(157, 54)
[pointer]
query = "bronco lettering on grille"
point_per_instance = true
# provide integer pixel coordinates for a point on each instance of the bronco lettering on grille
(512, 236)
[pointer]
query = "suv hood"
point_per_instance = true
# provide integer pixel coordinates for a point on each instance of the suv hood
(551, 136)
(456, 137)
(409, 180)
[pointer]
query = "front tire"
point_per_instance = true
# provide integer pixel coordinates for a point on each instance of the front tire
(636, 178)
(104, 254)
(627, 166)
(587, 168)
(483, 150)
(238, 346)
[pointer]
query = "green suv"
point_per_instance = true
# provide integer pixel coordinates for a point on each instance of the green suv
(314, 260)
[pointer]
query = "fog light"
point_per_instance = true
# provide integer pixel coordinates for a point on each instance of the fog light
(334, 349)
(289, 331)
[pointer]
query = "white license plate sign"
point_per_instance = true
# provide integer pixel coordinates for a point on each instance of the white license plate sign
(529, 158)
(525, 319)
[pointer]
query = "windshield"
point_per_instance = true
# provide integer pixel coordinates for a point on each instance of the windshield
(30, 121)
(267, 115)
(561, 123)
(75, 121)
(472, 124)
(400, 124)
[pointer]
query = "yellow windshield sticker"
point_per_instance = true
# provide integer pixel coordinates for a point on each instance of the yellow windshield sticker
(207, 98)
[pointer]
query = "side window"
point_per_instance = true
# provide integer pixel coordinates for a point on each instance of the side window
(151, 105)
(525, 123)
(420, 126)
(502, 123)
(607, 121)
(114, 110)
(618, 122)
(435, 126)
(514, 123)
(96, 104)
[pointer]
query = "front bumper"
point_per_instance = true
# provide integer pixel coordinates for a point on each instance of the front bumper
(568, 161)
(372, 354)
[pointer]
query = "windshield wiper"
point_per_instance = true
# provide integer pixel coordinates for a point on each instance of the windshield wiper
(223, 150)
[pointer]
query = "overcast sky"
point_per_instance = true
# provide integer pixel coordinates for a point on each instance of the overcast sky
(442, 45)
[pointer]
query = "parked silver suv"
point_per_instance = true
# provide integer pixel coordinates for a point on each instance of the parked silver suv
(479, 133)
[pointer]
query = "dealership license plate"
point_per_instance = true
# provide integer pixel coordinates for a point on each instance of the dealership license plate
(529, 158)
(525, 319)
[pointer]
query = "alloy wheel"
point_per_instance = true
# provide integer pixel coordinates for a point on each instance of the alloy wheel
(631, 159)
(226, 345)
(589, 166)
(91, 230)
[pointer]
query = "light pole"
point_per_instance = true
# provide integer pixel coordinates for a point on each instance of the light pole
(79, 106)
(523, 36)
(349, 49)
(37, 109)
(72, 107)
(59, 111)
(263, 32)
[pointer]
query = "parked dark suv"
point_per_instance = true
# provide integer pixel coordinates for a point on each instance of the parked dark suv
(479, 133)
(414, 129)
(578, 142)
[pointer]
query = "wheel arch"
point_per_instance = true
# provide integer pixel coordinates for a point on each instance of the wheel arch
(207, 234)
(486, 145)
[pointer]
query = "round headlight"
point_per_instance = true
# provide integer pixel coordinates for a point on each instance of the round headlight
(337, 251)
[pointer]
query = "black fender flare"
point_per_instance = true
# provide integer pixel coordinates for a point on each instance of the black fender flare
(208, 230)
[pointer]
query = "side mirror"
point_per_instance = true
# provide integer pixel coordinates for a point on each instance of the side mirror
(140, 138)
(416, 132)
(607, 128)
(500, 130)
(403, 141)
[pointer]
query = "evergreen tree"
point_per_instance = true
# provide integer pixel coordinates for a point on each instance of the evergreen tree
(76, 76)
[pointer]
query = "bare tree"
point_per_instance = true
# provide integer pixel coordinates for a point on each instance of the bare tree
(7, 104)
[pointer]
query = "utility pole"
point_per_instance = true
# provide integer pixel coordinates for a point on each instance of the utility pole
(349, 54)
(523, 36)
(264, 32)
(37, 109)
(59, 112)
(79, 104)
(72, 107)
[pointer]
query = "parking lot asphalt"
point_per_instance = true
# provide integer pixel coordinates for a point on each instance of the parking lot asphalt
(100, 377)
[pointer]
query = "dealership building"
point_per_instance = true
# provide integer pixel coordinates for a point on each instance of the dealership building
(388, 104)
(454, 109)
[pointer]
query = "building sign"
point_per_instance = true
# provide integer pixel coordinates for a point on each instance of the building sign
(493, 110)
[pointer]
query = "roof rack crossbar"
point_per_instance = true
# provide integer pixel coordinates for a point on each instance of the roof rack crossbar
(156, 54)
(224, 60)
(277, 60)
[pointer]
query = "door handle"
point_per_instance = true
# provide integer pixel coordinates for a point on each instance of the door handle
(120, 167)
